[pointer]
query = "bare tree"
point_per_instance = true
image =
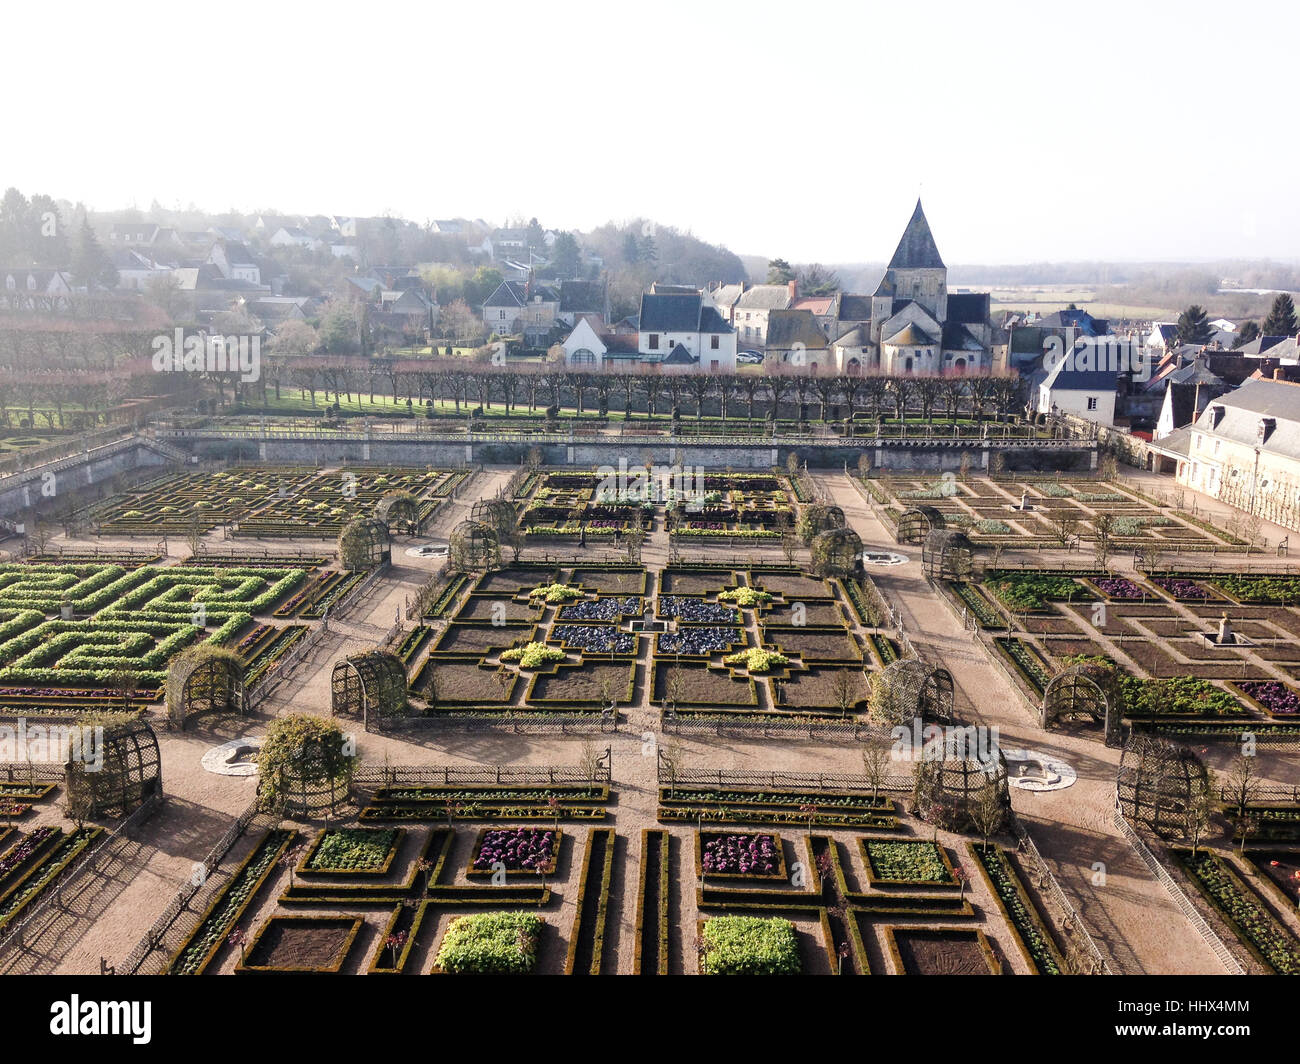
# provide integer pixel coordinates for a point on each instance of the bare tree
(1241, 784)
(875, 765)
(987, 813)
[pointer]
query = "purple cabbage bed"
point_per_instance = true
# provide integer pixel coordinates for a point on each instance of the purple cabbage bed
(696, 611)
(604, 609)
(1179, 588)
(24, 849)
(753, 855)
(699, 641)
(1275, 697)
(1118, 587)
(602, 638)
(516, 848)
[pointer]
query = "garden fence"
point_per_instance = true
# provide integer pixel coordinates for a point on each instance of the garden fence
(29, 771)
(280, 670)
(1180, 900)
(182, 914)
(805, 781)
(764, 726)
(503, 721)
(517, 775)
(71, 877)
(1073, 924)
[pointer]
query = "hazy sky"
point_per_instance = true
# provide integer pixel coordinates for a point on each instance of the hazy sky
(1034, 131)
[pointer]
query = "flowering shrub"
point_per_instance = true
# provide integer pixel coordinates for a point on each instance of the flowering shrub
(555, 592)
(746, 855)
(519, 849)
(756, 659)
(490, 944)
(745, 596)
(532, 655)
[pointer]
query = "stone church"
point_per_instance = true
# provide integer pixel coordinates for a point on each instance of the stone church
(915, 324)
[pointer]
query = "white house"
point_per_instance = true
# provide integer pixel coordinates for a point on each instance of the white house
(1078, 384)
(293, 236)
(670, 321)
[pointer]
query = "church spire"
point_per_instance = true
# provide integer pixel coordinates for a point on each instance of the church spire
(917, 250)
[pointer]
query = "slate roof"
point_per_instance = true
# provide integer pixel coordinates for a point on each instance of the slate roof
(1072, 319)
(679, 356)
(727, 294)
(1243, 408)
(910, 336)
(858, 336)
(968, 308)
(507, 294)
(1066, 376)
(661, 312)
(854, 308)
(917, 249)
(1184, 399)
(765, 297)
(1260, 345)
(956, 337)
(785, 328)
(582, 297)
(1168, 331)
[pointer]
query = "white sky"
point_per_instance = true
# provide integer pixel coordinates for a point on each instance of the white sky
(1034, 131)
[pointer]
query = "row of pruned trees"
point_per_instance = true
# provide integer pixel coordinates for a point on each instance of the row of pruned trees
(532, 387)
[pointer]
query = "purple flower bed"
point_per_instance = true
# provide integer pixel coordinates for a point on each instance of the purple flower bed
(1275, 697)
(1117, 587)
(753, 855)
(516, 848)
(1181, 589)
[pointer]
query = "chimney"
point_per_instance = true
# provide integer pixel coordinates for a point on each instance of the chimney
(1279, 374)
(794, 290)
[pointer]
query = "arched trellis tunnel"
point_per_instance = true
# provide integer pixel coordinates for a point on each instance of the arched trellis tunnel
(365, 544)
(1085, 691)
(204, 679)
(947, 554)
(399, 511)
(916, 523)
(910, 688)
(967, 794)
(124, 775)
(837, 552)
(1158, 784)
(474, 545)
(497, 514)
(369, 686)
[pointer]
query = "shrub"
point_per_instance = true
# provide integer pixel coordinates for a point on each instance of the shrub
(532, 655)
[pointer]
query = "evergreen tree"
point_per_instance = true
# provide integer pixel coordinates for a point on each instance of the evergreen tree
(649, 249)
(779, 272)
(566, 260)
(90, 264)
(1194, 325)
(1281, 320)
(631, 249)
(1247, 332)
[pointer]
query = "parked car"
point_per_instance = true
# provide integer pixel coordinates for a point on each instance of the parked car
(749, 358)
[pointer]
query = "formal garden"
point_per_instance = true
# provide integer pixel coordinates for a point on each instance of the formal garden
(271, 502)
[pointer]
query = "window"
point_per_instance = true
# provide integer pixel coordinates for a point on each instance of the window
(1092, 402)
(654, 341)
(713, 343)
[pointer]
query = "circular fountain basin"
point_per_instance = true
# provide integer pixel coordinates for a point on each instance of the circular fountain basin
(235, 758)
(428, 550)
(1037, 770)
(883, 557)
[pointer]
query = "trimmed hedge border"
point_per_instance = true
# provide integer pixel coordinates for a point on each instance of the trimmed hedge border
(981, 939)
(660, 841)
(1021, 914)
(584, 901)
(261, 969)
(878, 882)
(273, 844)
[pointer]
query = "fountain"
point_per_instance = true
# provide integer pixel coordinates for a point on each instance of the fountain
(1226, 636)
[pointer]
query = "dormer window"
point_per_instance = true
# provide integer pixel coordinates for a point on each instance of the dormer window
(1216, 415)
(1266, 427)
